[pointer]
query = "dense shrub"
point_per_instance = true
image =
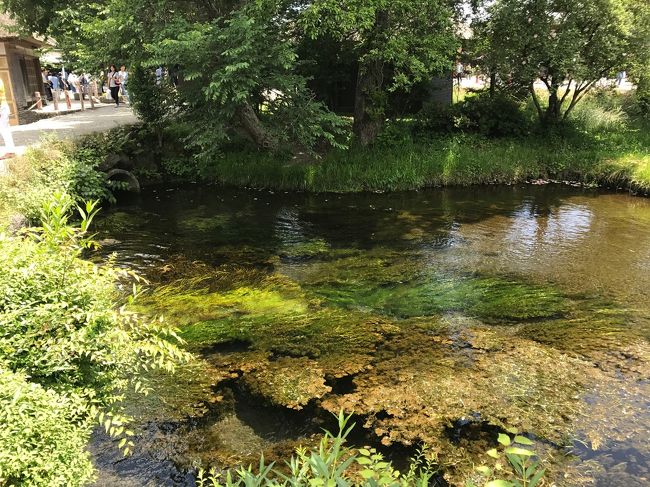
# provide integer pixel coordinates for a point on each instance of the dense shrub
(495, 116)
(434, 118)
(61, 331)
(54, 166)
(150, 100)
(43, 438)
(642, 95)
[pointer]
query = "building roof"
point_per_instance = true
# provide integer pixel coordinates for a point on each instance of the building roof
(9, 31)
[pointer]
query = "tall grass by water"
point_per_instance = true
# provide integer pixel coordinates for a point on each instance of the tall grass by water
(459, 159)
(604, 142)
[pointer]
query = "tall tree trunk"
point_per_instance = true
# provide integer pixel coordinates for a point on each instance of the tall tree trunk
(254, 129)
(369, 99)
(552, 115)
(493, 81)
(368, 103)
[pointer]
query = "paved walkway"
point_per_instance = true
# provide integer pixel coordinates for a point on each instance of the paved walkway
(72, 125)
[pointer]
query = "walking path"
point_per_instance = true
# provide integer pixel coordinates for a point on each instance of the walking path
(72, 125)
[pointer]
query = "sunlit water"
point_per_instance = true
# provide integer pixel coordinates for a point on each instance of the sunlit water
(419, 311)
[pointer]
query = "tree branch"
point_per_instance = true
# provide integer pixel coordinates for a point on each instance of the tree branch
(568, 89)
(578, 94)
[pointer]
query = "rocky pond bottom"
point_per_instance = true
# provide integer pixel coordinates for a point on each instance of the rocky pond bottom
(438, 317)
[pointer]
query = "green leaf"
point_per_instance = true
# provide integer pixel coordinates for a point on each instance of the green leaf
(484, 469)
(536, 478)
(522, 440)
(504, 439)
(498, 483)
(514, 450)
(493, 453)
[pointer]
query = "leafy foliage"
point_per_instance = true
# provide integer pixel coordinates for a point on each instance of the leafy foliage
(54, 166)
(331, 464)
(494, 116)
(43, 436)
(559, 42)
(396, 44)
(61, 332)
(515, 460)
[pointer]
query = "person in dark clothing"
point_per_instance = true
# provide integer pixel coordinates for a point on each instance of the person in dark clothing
(114, 84)
(47, 88)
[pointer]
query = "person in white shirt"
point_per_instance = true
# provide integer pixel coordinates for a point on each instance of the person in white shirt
(5, 127)
(124, 78)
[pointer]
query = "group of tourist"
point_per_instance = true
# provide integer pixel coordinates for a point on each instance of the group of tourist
(56, 83)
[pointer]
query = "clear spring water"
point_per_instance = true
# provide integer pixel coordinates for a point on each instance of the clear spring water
(437, 316)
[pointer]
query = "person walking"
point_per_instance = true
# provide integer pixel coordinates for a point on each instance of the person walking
(55, 83)
(114, 84)
(124, 78)
(5, 127)
(460, 72)
(47, 91)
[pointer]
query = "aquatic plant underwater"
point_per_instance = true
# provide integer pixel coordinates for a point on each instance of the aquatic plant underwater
(441, 354)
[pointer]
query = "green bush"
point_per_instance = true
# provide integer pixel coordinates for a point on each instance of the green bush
(54, 166)
(61, 330)
(42, 440)
(151, 101)
(495, 116)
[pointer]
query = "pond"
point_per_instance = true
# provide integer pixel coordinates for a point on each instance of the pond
(438, 317)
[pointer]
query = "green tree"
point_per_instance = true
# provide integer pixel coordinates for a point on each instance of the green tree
(397, 43)
(564, 43)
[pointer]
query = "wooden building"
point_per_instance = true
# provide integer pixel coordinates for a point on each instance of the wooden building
(20, 69)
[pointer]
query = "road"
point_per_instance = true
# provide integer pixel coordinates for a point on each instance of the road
(72, 125)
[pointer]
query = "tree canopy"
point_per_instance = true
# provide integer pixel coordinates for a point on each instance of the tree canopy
(242, 69)
(560, 42)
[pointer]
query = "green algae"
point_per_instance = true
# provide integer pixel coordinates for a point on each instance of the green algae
(490, 298)
(305, 249)
(123, 222)
(405, 340)
(203, 224)
(207, 297)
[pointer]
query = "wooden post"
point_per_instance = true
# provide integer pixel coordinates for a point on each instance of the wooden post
(94, 90)
(81, 96)
(68, 103)
(55, 98)
(39, 101)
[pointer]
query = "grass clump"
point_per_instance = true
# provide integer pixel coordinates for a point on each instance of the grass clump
(333, 462)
